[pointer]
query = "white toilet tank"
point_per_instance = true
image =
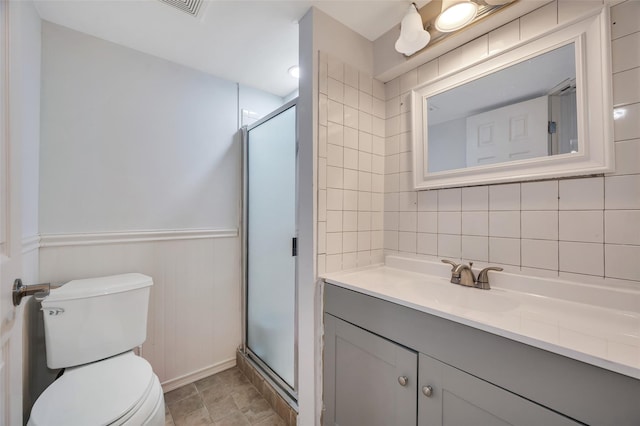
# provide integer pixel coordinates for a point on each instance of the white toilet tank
(91, 319)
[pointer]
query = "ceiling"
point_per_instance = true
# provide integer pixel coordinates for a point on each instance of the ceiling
(250, 42)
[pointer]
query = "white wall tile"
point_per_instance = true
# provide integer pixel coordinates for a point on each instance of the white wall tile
(378, 145)
(377, 222)
(504, 197)
(407, 242)
(585, 226)
(335, 155)
(405, 102)
(334, 242)
(405, 142)
(364, 122)
(622, 192)
(351, 117)
(365, 102)
(351, 158)
(450, 62)
(335, 112)
(392, 107)
(392, 202)
(408, 221)
(364, 240)
(539, 195)
(322, 141)
(427, 243)
(541, 225)
(504, 224)
(350, 199)
(364, 201)
(335, 90)
(625, 53)
(365, 141)
(626, 87)
(391, 221)
(625, 18)
(427, 201)
(376, 240)
(349, 221)
(450, 199)
(475, 223)
(540, 254)
(475, 248)
(475, 198)
(392, 182)
(539, 21)
(364, 221)
(449, 222)
(582, 258)
(322, 205)
(322, 75)
(504, 251)
(350, 137)
(622, 262)
(378, 108)
(622, 227)
(627, 125)
(405, 181)
(334, 199)
(335, 134)
(476, 50)
(350, 179)
(504, 37)
(366, 83)
(349, 260)
(351, 96)
(322, 264)
(349, 242)
(628, 157)
(377, 164)
(391, 239)
(334, 221)
(322, 173)
(334, 177)
(323, 110)
(450, 246)
(333, 262)
(428, 222)
(377, 203)
(408, 201)
(405, 162)
(581, 194)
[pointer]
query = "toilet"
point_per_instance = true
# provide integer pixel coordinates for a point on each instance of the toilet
(91, 328)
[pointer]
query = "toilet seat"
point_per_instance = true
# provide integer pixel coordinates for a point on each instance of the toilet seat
(121, 390)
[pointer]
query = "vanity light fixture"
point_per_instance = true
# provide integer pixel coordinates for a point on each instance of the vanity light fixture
(455, 15)
(413, 36)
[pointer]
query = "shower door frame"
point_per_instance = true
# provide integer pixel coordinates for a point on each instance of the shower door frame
(281, 385)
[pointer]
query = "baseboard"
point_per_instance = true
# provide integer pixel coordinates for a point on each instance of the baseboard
(172, 384)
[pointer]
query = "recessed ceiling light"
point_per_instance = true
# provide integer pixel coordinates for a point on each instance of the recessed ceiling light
(294, 71)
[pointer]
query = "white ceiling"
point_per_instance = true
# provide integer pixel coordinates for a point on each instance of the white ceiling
(250, 42)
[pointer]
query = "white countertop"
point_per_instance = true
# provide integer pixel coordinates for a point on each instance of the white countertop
(602, 329)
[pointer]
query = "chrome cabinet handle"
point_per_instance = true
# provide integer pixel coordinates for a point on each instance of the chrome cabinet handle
(427, 391)
(403, 380)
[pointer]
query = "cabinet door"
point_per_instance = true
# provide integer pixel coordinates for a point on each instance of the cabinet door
(361, 378)
(459, 399)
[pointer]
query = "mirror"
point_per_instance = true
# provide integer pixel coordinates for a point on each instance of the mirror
(521, 115)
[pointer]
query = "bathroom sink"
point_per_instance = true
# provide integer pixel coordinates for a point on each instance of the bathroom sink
(454, 296)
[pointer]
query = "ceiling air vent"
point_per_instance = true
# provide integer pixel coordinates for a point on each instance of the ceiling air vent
(191, 7)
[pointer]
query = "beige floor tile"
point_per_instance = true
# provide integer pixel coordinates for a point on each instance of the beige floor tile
(180, 393)
(236, 419)
(222, 408)
(196, 418)
(272, 420)
(182, 408)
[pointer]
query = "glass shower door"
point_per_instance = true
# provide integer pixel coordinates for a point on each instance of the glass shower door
(270, 242)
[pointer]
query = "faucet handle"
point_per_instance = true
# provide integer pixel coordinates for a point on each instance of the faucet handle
(483, 277)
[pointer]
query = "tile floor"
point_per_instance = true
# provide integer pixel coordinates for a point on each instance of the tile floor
(224, 399)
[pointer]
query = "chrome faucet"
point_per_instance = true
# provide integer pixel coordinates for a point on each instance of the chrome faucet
(462, 274)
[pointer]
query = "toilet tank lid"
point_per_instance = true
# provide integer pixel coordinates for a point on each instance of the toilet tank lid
(99, 286)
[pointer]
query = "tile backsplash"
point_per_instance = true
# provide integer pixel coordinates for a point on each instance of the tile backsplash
(582, 229)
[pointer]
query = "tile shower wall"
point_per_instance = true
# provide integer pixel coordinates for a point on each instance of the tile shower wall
(583, 229)
(351, 159)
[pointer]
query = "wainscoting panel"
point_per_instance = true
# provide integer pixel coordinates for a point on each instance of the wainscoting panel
(195, 307)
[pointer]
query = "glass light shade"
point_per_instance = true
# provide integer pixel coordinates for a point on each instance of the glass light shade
(413, 36)
(455, 15)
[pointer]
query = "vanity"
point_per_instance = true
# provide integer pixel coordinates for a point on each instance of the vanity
(404, 346)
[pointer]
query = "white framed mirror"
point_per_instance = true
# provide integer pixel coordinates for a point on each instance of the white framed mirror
(539, 110)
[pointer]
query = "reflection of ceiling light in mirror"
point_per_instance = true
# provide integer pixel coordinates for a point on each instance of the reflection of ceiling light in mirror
(413, 36)
(618, 113)
(455, 15)
(294, 71)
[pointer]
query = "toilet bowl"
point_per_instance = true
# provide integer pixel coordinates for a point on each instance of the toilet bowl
(91, 327)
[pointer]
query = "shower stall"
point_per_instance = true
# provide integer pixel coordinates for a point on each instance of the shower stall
(269, 240)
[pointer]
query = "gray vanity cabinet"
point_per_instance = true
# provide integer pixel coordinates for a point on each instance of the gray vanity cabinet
(477, 378)
(372, 380)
